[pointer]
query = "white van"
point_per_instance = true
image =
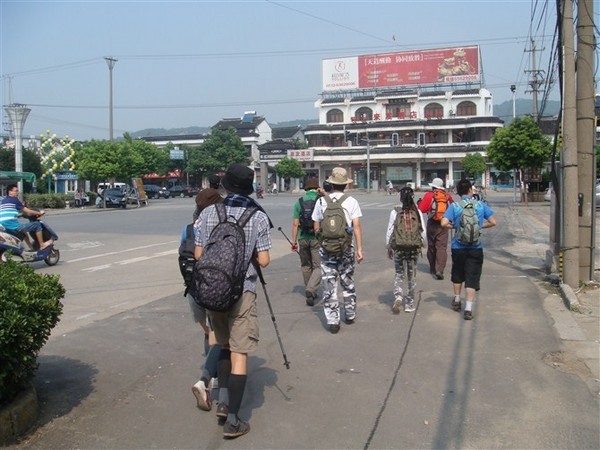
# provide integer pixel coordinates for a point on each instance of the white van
(116, 184)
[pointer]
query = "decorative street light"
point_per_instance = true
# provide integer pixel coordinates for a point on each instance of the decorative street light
(18, 115)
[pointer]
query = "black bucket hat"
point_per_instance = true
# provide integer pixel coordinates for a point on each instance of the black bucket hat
(238, 179)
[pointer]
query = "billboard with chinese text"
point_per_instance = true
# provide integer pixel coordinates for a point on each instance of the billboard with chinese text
(416, 67)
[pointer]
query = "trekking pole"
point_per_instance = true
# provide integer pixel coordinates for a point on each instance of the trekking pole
(286, 363)
(279, 228)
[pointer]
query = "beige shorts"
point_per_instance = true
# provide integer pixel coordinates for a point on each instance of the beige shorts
(237, 327)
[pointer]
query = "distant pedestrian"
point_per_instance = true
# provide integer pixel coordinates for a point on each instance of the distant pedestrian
(404, 241)
(435, 203)
(305, 242)
(338, 254)
(390, 187)
(467, 258)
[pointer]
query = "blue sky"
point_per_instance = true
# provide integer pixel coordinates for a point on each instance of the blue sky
(191, 63)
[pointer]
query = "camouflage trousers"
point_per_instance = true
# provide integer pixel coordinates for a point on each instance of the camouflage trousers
(334, 268)
(405, 265)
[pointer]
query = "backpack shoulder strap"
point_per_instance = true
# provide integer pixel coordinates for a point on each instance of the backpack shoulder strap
(246, 215)
(189, 231)
(221, 212)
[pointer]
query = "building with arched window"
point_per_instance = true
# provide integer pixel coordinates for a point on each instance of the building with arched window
(406, 117)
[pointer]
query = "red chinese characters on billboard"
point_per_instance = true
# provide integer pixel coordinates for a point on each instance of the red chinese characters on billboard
(449, 65)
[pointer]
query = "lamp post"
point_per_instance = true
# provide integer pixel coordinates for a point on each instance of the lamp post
(18, 115)
(111, 63)
(513, 89)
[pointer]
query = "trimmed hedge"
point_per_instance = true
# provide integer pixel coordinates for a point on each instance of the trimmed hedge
(54, 201)
(29, 308)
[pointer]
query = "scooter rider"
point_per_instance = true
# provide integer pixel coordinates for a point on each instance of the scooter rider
(11, 206)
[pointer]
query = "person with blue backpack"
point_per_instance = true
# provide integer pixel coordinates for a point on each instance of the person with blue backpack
(467, 217)
(236, 232)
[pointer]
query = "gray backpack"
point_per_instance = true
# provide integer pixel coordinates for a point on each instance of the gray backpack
(333, 234)
(220, 273)
(468, 232)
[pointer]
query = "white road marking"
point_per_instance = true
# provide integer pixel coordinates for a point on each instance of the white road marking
(101, 255)
(96, 268)
(85, 316)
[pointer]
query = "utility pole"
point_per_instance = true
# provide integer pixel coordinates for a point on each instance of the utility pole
(586, 137)
(536, 80)
(111, 63)
(570, 219)
(513, 89)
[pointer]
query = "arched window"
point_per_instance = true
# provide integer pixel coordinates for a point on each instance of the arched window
(466, 109)
(335, 115)
(363, 113)
(434, 110)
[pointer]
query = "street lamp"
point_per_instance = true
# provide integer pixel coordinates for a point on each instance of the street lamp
(111, 63)
(18, 115)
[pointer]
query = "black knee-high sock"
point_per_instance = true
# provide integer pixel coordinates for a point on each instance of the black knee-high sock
(237, 385)
(223, 373)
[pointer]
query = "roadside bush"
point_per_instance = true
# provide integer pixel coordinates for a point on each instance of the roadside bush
(44, 201)
(29, 308)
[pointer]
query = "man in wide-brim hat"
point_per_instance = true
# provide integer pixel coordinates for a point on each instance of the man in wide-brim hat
(339, 265)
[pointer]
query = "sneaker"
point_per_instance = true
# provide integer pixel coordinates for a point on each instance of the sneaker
(214, 383)
(222, 410)
(349, 321)
(310, 298)
(232, 431)
(397, 305)
(202, 395)
(439, 276)
(409, 307)
(334, 328)
(468, 315)
(456, 306)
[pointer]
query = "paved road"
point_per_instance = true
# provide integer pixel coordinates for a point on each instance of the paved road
(511, 378)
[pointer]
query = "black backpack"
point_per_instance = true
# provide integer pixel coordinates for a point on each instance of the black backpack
(220, 273)
(306, 210)
(187, 260)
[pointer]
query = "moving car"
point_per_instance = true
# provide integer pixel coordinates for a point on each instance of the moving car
(183, 191)
(115, 198)
(154, 191)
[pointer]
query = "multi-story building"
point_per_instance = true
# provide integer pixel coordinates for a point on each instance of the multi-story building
(407, 117)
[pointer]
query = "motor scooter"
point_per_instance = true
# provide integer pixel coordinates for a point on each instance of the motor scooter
(17, 244)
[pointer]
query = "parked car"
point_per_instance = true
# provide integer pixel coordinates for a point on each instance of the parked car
(183, 191)
(154, 191)
(115, 198)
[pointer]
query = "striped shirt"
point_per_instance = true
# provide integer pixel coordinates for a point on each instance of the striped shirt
(9, 211)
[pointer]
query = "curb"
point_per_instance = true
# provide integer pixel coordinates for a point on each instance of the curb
(18, 416)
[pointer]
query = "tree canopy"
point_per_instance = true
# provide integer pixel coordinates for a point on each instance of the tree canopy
(473, 164)
(221, 149)
(519, 146)
(289, 168)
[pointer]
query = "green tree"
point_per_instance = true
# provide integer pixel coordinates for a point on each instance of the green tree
(519, 146)
(289, 168)
(222, 148)
(473, 164)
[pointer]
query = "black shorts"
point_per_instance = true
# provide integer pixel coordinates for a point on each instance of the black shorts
(466, 266)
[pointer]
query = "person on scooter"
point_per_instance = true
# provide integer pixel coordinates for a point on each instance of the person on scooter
(11, 206)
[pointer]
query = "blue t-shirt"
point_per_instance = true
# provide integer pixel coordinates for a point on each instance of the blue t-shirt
(9, 211)
(454, 212)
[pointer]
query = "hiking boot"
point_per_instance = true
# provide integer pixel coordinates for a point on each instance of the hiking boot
(410, 307)
(310, 298)
(232, 431)
(334, 328)
(222, 411)
(202, 395)
(468, 315)
(397, 305)
(439, 276)
(456, 306)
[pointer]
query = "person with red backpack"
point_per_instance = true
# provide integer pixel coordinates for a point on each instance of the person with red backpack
(404, 241)
(435, 203)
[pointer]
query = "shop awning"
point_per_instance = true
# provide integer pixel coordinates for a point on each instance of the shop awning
(25, 176)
